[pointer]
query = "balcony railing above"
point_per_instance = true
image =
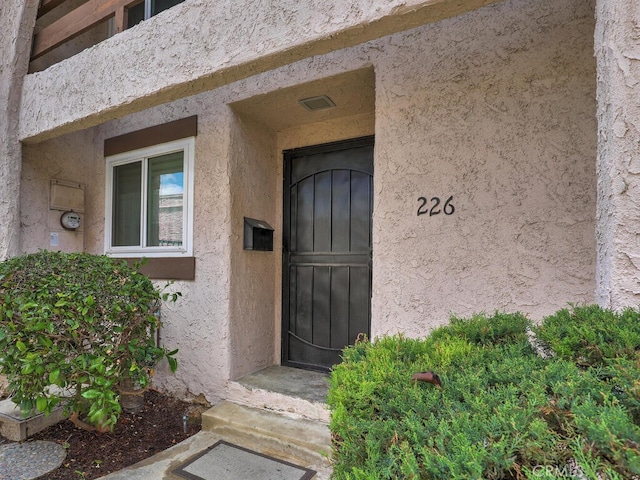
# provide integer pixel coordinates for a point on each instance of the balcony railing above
(78, 21)
(61, 21)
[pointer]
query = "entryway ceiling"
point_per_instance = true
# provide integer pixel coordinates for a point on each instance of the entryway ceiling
(352, 92)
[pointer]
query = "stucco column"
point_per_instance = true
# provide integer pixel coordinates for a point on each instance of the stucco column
(17, 19)
(618, 163)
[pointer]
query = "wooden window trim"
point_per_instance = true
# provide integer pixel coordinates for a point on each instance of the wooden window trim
(166, 268)
(147, 137)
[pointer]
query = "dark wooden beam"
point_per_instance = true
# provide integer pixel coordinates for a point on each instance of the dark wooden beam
(48, 5)
(167, 268)
(166, 132)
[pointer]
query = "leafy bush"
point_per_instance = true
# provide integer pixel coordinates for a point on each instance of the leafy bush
(502, 412)
(82, 323)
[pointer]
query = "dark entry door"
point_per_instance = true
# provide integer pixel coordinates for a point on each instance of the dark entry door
(328, 202)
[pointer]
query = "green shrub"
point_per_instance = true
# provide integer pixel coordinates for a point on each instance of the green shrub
(79, 322)
(484, 330)
(590, 335)
(502, 412)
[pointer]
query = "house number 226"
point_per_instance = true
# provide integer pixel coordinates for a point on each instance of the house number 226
(432, 207)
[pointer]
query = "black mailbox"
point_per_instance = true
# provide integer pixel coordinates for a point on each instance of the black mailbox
(258, 235)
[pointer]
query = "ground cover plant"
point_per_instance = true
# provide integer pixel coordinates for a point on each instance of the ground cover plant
(503, 411)
(79, 322)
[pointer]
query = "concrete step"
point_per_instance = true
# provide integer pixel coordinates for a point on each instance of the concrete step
(291, 391)
(15, 427)
(300, 441)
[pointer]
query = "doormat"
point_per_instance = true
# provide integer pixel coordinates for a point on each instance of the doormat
(226, 461)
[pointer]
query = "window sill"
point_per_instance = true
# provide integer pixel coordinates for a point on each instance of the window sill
(166, 268)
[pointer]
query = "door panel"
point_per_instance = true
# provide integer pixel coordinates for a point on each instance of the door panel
(327, 251)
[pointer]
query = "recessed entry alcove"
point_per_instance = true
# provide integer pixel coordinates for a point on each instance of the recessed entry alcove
(328, 109)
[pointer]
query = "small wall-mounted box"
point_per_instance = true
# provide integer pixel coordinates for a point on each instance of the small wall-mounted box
(258, 235)
(66, 196)
(66, 216)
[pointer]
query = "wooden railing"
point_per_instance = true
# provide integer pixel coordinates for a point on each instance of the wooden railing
(78, 21)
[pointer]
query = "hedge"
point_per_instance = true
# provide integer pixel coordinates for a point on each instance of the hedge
(503, 411)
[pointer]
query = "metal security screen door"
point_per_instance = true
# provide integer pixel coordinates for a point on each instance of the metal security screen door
(328, 202)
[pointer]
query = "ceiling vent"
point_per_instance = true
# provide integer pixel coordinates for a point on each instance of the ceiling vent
(317, 103)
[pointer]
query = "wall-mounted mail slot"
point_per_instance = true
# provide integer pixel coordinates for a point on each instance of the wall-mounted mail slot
(258, 235)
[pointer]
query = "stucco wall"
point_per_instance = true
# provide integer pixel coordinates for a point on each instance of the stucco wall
(495, 108)
(618, 281)
(254, 174)
(74, 158)
(325, 132)
(17, 19)
(199, 324)
(200, 45)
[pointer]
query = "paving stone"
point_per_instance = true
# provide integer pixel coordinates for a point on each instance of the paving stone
(29, 460)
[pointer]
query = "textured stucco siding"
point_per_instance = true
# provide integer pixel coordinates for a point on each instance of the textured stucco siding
(15, 42)
(254, 173)
(618, 280)
(202, 44)
(495, 107)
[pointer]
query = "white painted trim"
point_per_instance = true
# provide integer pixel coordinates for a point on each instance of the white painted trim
(187, 146)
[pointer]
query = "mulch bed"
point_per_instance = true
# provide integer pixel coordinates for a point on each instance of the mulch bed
(158, 426)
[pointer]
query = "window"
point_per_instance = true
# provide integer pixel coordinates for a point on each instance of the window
(147, 9)
(149, 201)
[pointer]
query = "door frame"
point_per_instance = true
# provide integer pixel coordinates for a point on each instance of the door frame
(288, 155)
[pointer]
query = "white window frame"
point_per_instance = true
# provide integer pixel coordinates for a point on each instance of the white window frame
(111, 23)
(187, 146)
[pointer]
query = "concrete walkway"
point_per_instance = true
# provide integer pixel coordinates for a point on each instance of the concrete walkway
(279, 412)
(160, 466)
